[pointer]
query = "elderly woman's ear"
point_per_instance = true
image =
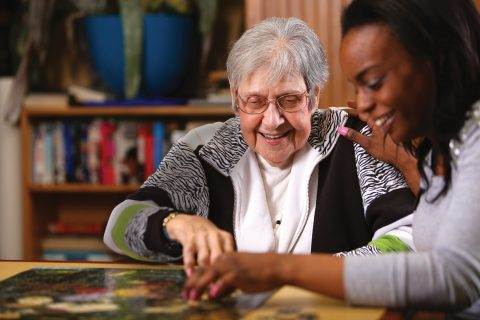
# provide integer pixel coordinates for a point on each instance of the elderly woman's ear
(234, 102)
(316, 97)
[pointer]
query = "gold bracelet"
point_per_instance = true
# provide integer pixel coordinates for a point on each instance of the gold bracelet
(168, 218)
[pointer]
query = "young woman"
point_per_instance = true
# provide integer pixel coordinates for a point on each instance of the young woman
(416, 68)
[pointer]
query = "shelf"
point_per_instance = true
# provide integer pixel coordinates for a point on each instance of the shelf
(160, 111)
(82, 188)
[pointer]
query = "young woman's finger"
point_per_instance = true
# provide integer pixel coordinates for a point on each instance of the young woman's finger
(198, 283)
(354, 136)
(222, 286)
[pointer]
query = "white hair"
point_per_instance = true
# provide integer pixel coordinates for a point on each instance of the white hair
(285, 46)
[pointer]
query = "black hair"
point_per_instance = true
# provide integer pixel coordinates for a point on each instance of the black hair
(445, 33)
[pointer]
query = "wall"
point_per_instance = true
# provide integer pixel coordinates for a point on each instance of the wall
(323, 16)
(10, 184)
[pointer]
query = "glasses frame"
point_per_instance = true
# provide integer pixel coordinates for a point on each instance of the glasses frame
(305, 93)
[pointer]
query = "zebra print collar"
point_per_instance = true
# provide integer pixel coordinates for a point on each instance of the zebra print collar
(227, 146)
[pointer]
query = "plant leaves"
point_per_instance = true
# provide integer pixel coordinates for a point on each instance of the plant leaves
(208, 13)
(132, 24)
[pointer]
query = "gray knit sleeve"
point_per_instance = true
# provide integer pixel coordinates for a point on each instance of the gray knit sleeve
(446, 276)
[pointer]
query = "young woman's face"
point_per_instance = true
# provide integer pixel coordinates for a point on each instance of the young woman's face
(392, 88)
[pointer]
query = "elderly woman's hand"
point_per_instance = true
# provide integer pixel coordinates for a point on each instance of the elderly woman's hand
(201, 240)
(246, 271)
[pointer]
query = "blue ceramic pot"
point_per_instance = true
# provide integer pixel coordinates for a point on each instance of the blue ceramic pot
(167, 48)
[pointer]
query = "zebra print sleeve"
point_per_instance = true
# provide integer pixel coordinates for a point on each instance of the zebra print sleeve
(376, 178)
(386, 198)
(179, 184)
(181, 175)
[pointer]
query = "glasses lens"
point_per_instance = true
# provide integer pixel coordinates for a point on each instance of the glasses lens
(255, 104)
(292, 102)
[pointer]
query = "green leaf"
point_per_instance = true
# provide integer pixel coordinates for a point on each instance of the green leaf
(132, 23)
(208, 12)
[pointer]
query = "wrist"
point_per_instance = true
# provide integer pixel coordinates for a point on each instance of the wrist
(405, 161)
(167, 225)
(284, 271)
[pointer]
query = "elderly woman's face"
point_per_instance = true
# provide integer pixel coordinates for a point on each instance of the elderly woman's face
(275, 135)
(393, 88)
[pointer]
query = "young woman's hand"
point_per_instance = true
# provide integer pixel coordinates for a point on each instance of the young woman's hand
(201, 240)
(246, 271)
(382, 147)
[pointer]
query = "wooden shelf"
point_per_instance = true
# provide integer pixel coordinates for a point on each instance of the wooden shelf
(82, 188)
(44, 204)
(139, 111)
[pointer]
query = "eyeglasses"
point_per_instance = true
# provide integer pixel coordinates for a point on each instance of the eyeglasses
(291, 102)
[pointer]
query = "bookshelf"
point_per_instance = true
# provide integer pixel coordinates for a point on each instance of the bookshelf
(44, 204)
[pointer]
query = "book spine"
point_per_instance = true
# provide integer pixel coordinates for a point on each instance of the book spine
(158, 143)
(148, 150)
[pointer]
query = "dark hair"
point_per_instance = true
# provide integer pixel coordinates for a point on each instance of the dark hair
(446, 33)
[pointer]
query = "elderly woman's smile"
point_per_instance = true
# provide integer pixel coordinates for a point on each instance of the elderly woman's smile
(276, 135)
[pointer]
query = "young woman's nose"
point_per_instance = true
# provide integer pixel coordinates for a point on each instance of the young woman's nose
(365, 105)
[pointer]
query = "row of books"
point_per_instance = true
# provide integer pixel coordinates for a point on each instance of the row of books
(99, 151)
(75, 242)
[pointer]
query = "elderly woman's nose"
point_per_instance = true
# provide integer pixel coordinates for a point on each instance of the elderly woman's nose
(272, 116)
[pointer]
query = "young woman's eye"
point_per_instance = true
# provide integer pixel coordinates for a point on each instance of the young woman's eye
(375, 84)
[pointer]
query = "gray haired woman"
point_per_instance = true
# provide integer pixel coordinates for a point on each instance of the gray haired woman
(275, 178)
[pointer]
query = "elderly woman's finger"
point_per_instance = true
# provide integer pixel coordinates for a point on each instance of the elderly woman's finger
(354, 136)
(203, 250)
(215, 243)
(189, 252)
(227, 242)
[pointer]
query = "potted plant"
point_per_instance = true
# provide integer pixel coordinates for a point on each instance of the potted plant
(33, 42)
(156, 37)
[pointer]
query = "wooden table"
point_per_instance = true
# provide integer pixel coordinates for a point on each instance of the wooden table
(288, 297)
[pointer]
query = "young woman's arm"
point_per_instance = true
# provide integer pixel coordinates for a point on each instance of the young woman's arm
(249, 272)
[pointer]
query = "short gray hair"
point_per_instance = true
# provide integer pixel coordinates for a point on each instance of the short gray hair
(287, 46)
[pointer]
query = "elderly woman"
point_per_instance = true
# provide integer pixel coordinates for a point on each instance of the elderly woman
(275, 178)
(416, 68)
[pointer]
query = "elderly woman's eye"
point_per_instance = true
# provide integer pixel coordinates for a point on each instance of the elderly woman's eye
(292, 98)
(255, 99)
(290, 101)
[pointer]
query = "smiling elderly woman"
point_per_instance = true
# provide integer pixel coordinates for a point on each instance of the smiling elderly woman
(275, 178)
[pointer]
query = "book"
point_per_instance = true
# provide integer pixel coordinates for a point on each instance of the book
(73, 243)
(81, 95)
(94, 139)
(46, 100)
(148, 150)
(59, 152)
(68, 145)
(65, 228)
(158, 143)
(73, 255)
(107, 152)
(39, 153)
